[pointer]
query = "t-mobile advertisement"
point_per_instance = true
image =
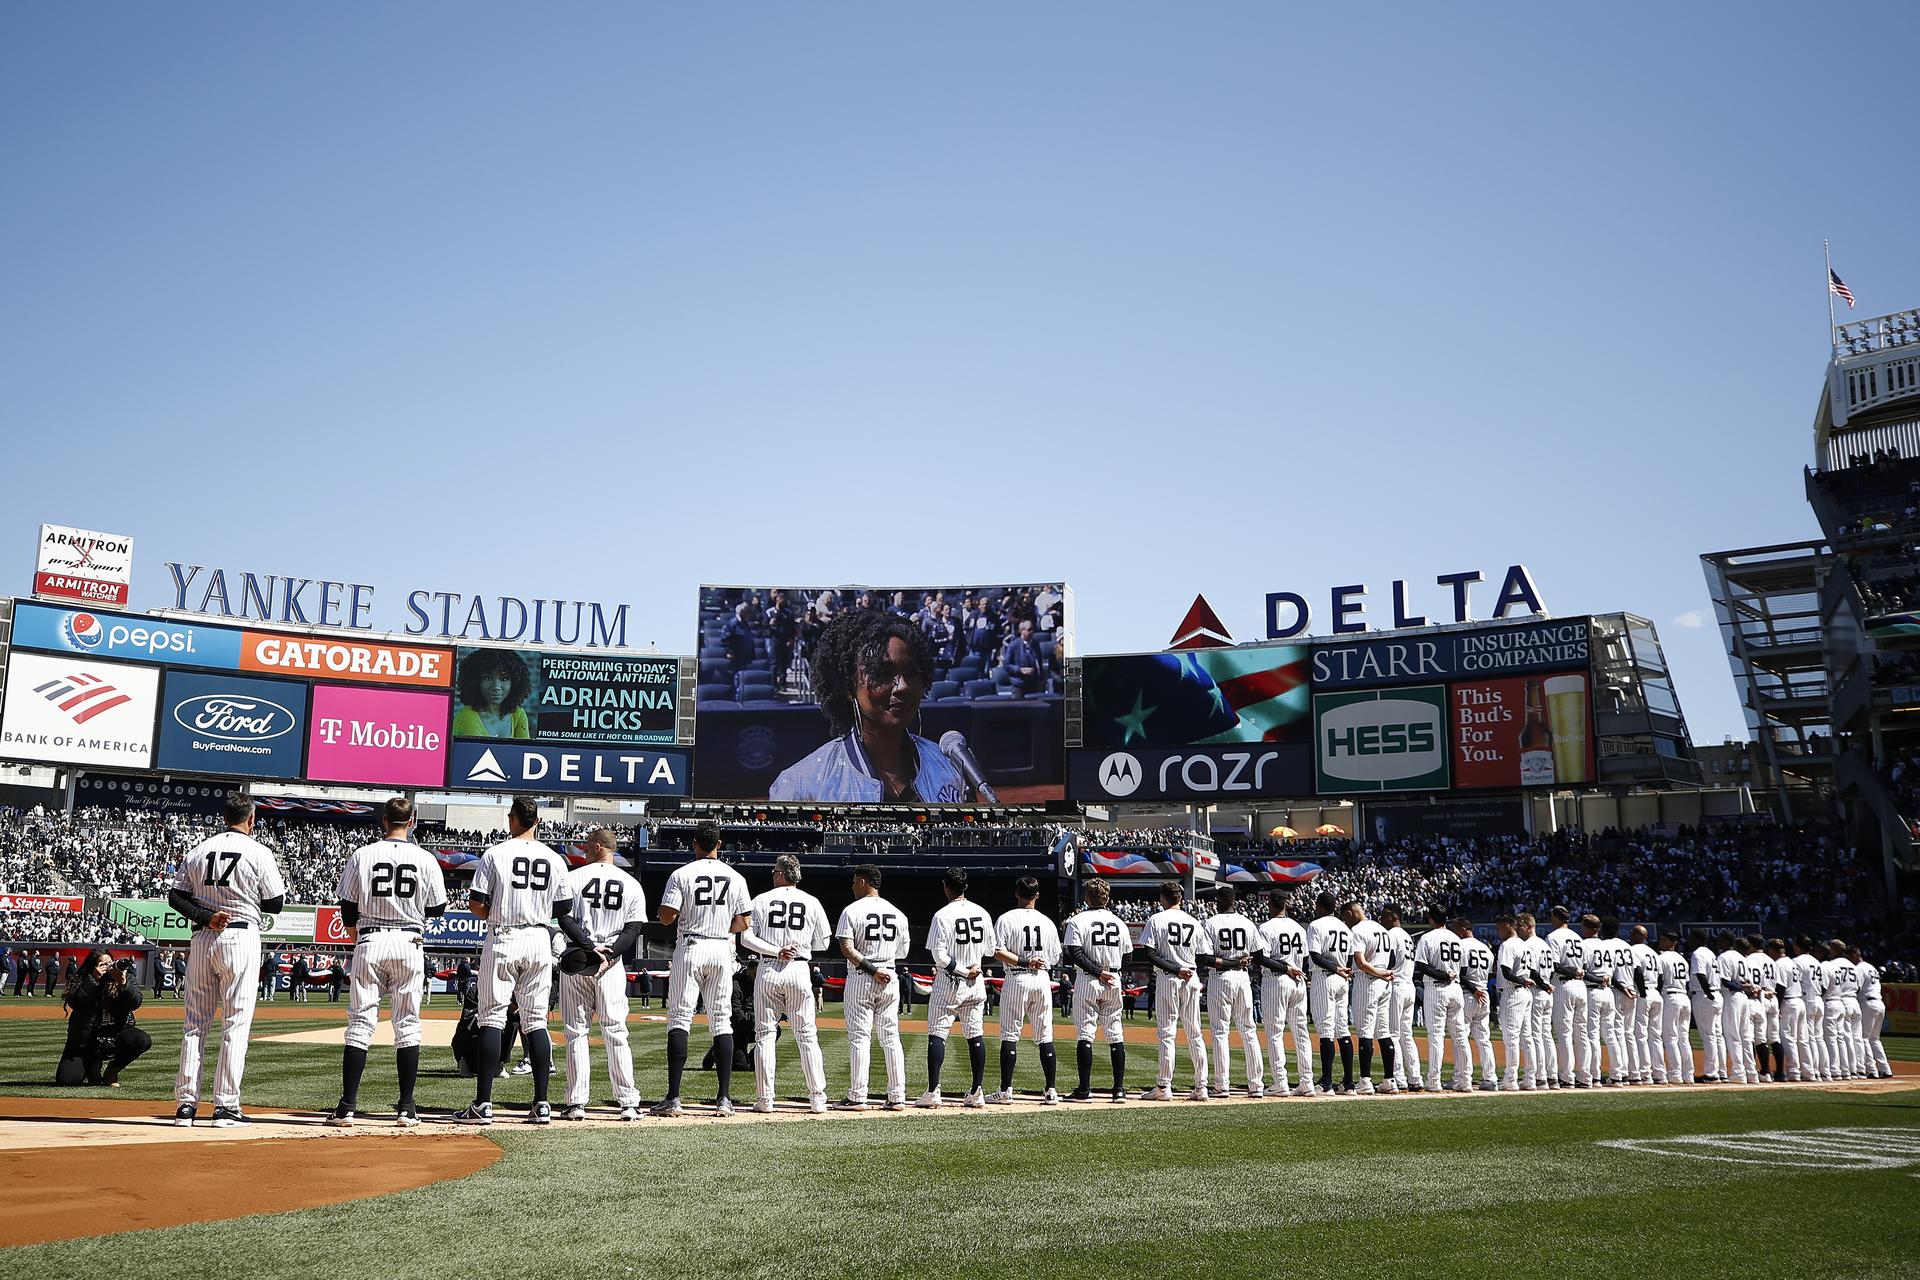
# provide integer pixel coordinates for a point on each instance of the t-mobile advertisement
(1525, 731)
(382, 737)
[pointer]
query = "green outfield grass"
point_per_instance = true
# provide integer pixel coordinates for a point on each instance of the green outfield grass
(1458, 1187)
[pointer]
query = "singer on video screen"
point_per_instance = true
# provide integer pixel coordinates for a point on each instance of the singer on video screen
(870, 673)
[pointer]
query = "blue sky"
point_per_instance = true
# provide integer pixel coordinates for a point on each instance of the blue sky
(603, 301)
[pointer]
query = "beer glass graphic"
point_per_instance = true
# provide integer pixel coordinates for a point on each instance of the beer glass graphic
(1567, 715)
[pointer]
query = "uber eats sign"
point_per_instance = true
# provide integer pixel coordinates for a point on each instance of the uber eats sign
(1381, 740)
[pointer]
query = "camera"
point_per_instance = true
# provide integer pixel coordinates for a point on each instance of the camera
(123, 965)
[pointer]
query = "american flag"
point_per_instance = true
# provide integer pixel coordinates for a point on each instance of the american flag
(1212, 696)
(1836, 285)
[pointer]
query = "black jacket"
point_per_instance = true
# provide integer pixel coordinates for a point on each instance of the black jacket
(94, 1015)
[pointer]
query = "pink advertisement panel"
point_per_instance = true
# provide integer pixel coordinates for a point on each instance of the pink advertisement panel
(384, 737)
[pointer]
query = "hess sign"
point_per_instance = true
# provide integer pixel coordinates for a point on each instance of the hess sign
(1289, 615)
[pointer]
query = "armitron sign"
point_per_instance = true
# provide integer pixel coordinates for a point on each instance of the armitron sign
(79, 564)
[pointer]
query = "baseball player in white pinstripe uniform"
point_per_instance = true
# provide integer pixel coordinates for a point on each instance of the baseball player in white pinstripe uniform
(708, 901)
(1097, 943)
(1027, 945)
(1400, 1001)
(1813, 990)
(519, 886)
(959, 939)
(388, 891)
(1370, 990)
(785, 927)
(873, 938)
(227, 883)
(1676, 1008)
(1234, 940)
(1283, 995)
(612, 908)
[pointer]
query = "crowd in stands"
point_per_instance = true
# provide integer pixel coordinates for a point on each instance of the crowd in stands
(90, 928)
(755, 644)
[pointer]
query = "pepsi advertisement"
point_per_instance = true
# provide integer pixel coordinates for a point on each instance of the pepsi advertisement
(231, 725)
(118, 635)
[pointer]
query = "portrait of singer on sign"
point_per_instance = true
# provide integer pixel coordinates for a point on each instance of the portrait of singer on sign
(494, 688)
(871, 671)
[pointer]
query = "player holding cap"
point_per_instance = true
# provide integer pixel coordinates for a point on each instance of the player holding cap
(1372, 987)
(226, 883)
(1572, 1047)
(1764, 1012)
(1437, 957)
(1405, 1068)
(1234, 940)
(707, 900)
(785, 927)
(1813, 988)
(1643, 1031)
(1173, 942)
(873, 939)
(1283, 994)
(1703, 967)
(1674, 1048)
(388, 891)
(1027, 945)
(612, 907)
(1330, 952)
(518, 886)
(1097, 944)
(960, 939)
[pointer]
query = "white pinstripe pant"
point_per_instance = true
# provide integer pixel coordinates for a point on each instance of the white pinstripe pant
(223, 971)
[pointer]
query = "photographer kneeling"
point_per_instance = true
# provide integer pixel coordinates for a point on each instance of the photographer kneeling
(100, 1029)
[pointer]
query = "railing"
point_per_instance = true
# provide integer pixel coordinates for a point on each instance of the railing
(1877, 333)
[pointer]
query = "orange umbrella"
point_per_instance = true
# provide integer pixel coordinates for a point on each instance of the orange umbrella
(1328, 829)
(1283, 833)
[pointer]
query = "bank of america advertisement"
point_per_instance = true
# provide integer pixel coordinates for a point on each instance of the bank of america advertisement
(73, 711)
(1381, 740)
(564, 697)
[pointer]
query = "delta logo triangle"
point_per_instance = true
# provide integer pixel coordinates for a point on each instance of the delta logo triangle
(487, 768)
(1201, 628)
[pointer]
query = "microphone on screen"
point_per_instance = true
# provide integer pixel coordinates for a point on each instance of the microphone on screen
(953, 745)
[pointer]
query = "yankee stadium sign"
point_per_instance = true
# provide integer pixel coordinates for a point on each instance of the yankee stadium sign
(445, 615)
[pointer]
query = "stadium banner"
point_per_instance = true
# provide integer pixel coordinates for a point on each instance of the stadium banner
(1381, 740)
(150, 795)
(996, 693)
(154, 920)
(330, 658)
(79, 564)
(41, 902)
(1464, 819)
(1468, 653)
(93, 634)
(454, 928)
(1259, 693)
(1524, 731)
(584, 770)
(1247, 771)
(382, 737)
(231, 725)
(1903, 1007)
(70, 711)
(564, 697)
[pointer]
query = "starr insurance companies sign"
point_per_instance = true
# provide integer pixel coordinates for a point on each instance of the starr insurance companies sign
(79, 564)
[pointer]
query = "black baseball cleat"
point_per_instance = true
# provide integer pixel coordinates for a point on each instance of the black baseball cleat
(478, 1113)
(183, 1115)
(342, 1117)
(542, 1113)
(1079, 1095)
(574, 1112)
(229, 1118)
(406, 1115)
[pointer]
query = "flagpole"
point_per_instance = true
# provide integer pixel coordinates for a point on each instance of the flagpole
(1828, 249)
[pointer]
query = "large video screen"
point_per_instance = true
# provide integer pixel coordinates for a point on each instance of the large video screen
(883, 695)
(564, 697)
(1195, 725)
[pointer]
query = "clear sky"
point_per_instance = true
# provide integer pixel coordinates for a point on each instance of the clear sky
(602, 301)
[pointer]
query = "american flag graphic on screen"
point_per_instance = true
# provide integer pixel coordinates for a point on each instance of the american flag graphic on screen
(1255, 694)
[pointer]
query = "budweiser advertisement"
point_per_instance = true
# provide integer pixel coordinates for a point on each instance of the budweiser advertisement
(1522, 732)
(79, 564)
(382, 737)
